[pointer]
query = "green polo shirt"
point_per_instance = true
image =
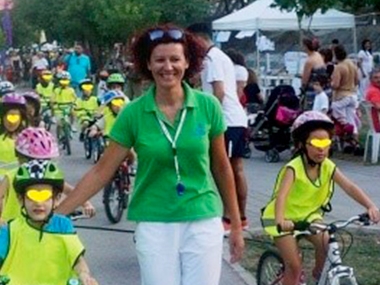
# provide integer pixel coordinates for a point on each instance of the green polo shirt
(155, 197)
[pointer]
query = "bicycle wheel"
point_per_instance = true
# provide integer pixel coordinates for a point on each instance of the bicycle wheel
(66, 139)
(113, 200)
(270, 269)
(87, 143)
(97, 149)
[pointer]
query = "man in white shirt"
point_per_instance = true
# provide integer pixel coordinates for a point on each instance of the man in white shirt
(218, 78)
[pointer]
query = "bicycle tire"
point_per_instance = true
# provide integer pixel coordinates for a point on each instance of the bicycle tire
(66, 134)
(87, 143)
(270, 269)
(96, 150)
(112, 194)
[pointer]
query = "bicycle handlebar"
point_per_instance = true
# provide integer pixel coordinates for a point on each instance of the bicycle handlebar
(78, 215)
(306, 228)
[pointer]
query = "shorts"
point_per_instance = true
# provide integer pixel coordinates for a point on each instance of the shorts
(236, 141)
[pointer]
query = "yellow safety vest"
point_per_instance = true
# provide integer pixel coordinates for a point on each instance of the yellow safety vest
(85, 109)
(12, 207)
(8, 158)
(306, 199)
(40, 258)
(45, 92)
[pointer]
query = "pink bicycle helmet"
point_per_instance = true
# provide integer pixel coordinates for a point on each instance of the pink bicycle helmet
(37, 143)
(14, 99)
(308, 122)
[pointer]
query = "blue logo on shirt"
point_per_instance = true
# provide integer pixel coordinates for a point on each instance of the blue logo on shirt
(200, 130)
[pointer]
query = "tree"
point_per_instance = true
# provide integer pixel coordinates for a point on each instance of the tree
(304, 8)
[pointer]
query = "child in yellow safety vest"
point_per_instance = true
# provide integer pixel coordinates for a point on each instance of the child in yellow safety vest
(303, 191)
(13, 119)
(32, 143)
(45, 88)
(113, 101)
(87, 107)
(63, 99)
(41, 247)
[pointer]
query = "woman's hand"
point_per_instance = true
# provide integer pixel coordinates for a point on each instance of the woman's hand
(236, 245)
(374, 214)
(88, 209)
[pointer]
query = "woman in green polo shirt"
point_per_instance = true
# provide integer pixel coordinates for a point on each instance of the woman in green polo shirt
(178, 135)
(303, 190)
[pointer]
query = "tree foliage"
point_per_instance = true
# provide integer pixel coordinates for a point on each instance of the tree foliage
(99, 21)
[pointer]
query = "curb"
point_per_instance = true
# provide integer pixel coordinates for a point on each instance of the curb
(245, 275)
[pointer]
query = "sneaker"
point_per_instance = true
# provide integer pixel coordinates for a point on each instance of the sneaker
(226, 226)
(244, 224)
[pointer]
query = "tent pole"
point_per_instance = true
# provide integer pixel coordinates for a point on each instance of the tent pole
(257, 51)
(355, 39)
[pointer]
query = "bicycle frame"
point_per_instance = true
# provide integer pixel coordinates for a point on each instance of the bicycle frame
(333, 268)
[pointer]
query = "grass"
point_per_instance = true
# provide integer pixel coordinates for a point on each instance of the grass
(363, 256)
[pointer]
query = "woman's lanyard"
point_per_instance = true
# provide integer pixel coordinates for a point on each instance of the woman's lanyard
(180, 187)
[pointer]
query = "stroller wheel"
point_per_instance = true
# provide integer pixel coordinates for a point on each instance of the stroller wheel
(272, 155)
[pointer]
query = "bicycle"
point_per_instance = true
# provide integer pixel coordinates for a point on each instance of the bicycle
(64, 129)
(46, 117)
(270, 270)
(93, 146)
(116, 193)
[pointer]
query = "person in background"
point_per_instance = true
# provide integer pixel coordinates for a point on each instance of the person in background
(102, 84)
(252, 90)
(365, 63)
(218, 78)
(327, 56)
(373, 96)
(79, 67)
(321, 100)
(39, 64)
(241, 72)
(314, 66)
(177, 133)
(344, 82)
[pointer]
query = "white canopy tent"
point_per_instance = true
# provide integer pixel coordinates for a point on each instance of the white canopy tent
(261, 16)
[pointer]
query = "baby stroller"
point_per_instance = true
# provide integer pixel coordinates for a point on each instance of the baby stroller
(270, 132)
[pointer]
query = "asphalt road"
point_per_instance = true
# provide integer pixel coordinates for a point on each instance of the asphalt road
(112, 257)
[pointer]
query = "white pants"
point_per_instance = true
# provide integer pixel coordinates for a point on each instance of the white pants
(344, 110)
(185, 253)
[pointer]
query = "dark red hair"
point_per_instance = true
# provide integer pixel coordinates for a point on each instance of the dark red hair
(143, 46)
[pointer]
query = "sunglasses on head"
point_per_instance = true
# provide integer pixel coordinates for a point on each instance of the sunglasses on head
(174, 34)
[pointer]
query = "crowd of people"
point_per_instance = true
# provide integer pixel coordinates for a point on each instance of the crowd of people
(188, 133)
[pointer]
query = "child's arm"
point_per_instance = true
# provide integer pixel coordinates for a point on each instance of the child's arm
(356, 193)
(81, 268)
(88, 208)
(3, 191)
(283, 192)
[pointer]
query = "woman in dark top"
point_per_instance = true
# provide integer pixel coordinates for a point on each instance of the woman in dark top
(252, 92)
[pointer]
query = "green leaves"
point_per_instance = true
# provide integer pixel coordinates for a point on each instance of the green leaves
(102, 21)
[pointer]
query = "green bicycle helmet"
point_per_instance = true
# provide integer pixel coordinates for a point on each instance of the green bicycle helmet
(116, 78)
(38, 172)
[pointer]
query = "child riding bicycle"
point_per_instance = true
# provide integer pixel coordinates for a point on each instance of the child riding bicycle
(41, 247)
(31, 143)
(87, 106)
(63, 99)
(45, 88)
(113, 101)
(303, 192)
